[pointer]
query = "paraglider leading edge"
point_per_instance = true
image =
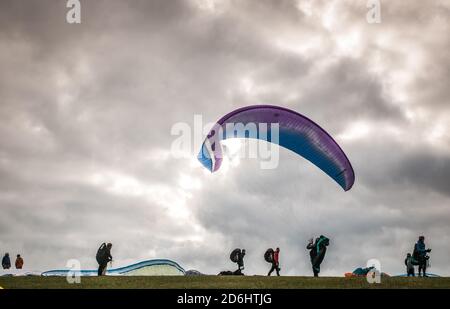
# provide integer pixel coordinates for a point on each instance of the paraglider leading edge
(297, 133)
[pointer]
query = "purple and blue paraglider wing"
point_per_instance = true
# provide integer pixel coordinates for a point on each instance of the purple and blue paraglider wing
(295, 132)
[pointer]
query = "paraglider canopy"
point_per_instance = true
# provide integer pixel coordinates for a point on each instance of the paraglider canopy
(296, 133)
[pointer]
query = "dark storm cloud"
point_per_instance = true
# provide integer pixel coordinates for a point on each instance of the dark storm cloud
(347, 91)
(426, 170)
(86, 112)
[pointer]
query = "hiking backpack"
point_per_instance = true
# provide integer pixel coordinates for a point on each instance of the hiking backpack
(415, 254)
(268, 255)
(100, 256)
(234, 256)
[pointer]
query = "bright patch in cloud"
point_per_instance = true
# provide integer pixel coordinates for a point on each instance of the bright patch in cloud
(355, 131)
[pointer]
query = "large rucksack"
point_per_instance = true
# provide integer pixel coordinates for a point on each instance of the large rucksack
(268, 255)
(101, 252)
(415, 254)
(321, 243)
(234, 256)
(320, 248)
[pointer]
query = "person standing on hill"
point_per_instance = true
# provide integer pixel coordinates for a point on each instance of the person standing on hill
(19, 262)
(275, 262)
(409, 263)
(241, 260)
(420, 254)
(317, 252)
(103, 257)
(6, 261)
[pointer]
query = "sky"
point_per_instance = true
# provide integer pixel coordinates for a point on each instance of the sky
(87, 111)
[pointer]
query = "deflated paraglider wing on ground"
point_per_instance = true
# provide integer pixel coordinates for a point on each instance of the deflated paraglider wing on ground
(156, 267)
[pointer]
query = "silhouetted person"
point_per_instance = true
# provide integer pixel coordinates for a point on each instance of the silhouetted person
(6, 261)
(409, 263)
(420, 254)
(240, 261)
(19, 262)
(317, 252)
(103, 257)
(275, 262)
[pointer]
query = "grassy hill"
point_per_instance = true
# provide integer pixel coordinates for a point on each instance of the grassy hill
(220, 282)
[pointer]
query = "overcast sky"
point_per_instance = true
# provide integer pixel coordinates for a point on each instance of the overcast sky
(86, 112)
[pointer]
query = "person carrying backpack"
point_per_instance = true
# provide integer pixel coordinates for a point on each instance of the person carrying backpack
(237, 256)
(420, 254)
(241, 260)
(275, 260)
(103, 257)
(317, 252)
